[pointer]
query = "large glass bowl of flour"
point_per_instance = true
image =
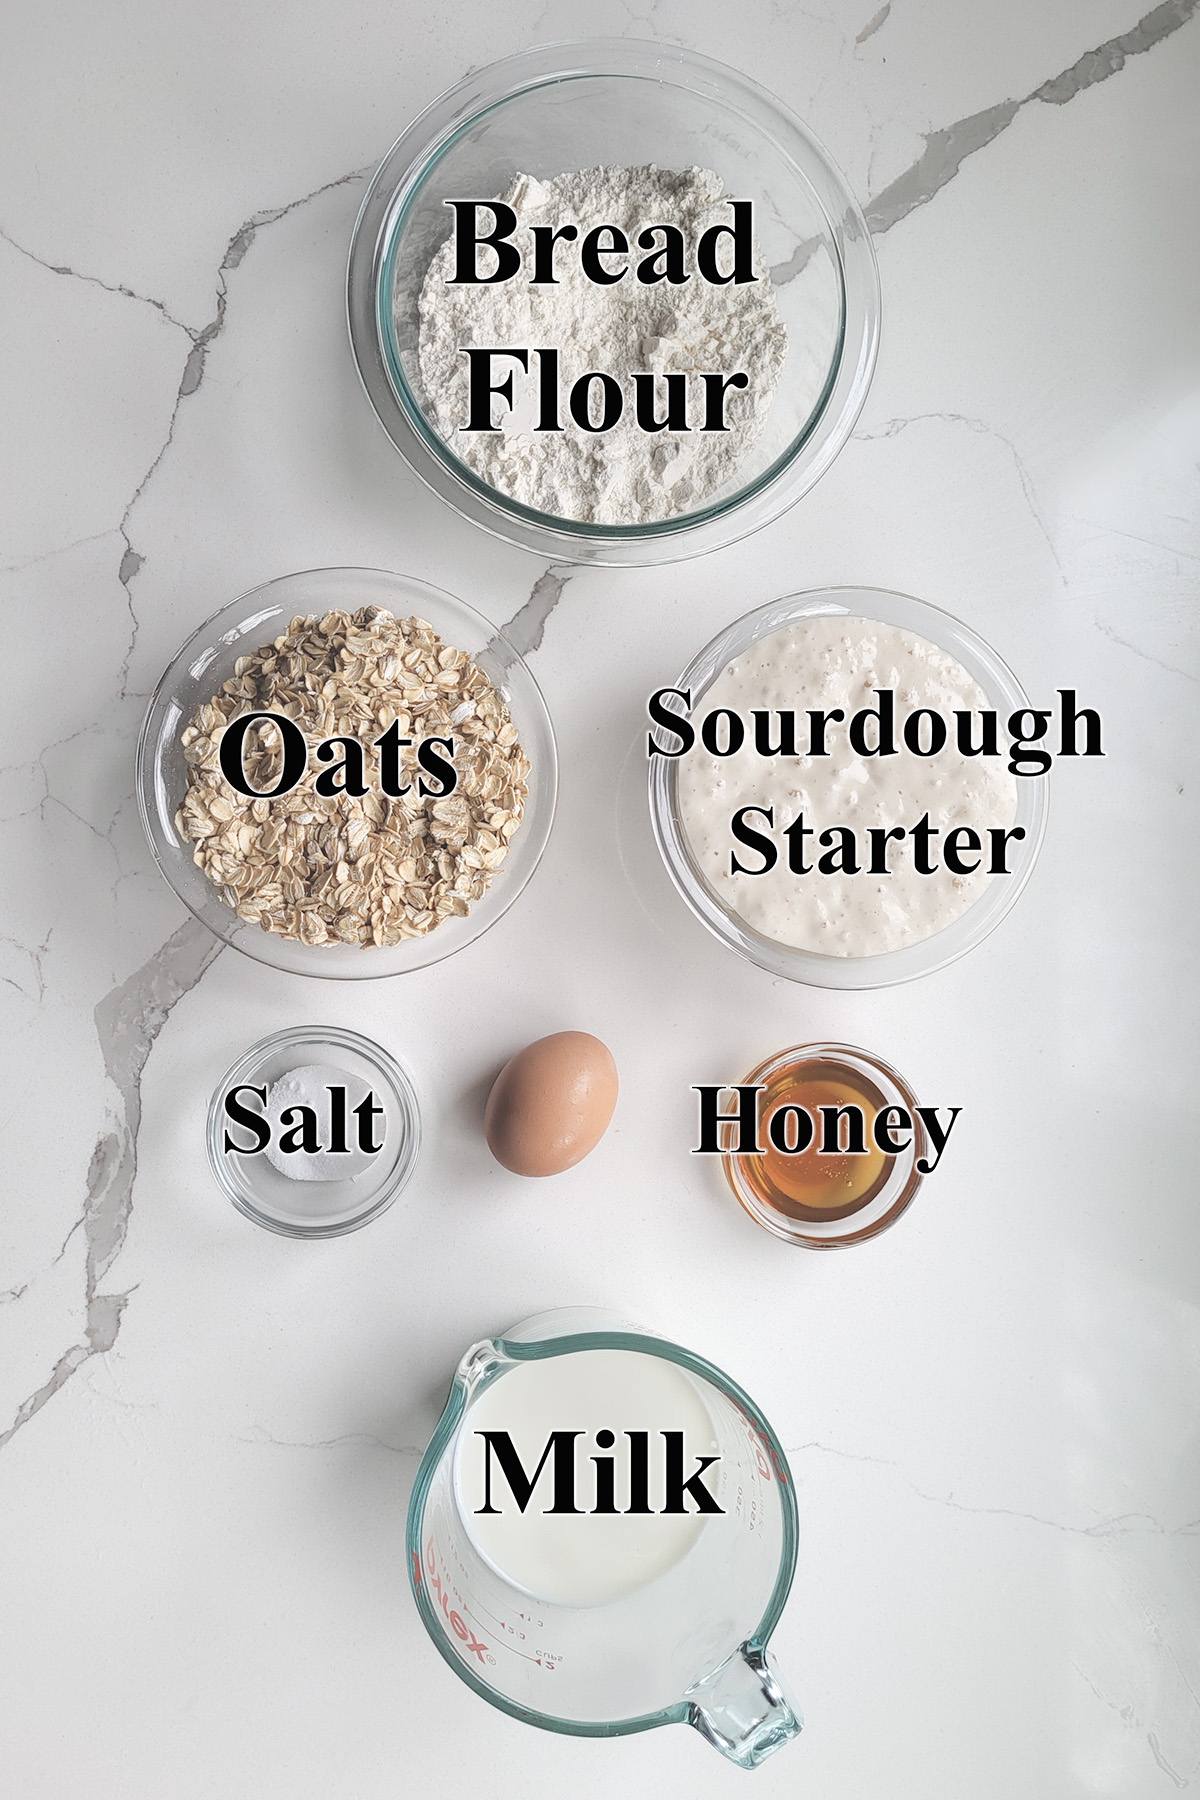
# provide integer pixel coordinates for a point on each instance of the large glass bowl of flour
(623, 104)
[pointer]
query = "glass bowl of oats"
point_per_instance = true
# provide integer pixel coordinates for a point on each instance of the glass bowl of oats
(347, 773)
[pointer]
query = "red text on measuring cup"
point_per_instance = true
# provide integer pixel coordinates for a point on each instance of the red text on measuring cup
(456, 1622)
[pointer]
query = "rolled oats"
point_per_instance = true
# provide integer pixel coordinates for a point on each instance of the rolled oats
(373, 870)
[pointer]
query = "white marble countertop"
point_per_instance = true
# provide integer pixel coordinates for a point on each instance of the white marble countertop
(209, 1433)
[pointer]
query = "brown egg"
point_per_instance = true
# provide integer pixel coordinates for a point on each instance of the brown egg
(551, 1103)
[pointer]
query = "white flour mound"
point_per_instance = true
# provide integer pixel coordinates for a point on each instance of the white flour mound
(624, 476)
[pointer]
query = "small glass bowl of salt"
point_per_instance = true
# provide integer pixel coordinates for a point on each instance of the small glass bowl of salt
(314, 1131)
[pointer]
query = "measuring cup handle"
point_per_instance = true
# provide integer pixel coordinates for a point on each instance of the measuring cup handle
(742, 1710)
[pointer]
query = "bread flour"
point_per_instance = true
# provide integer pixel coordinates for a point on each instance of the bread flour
(624, 476)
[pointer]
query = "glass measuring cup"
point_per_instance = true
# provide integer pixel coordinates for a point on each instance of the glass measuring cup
(690, 1647)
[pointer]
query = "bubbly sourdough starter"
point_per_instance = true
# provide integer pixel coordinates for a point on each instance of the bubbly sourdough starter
(827, 663)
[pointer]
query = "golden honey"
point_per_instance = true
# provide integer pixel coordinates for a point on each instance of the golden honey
(813, 1184)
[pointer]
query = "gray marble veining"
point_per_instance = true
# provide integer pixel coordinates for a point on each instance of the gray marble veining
(127, 1022)
(946, 150)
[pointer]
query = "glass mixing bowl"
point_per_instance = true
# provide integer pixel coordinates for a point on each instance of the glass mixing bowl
(624, 103)
(1003, 692)
(316, 1209)
(207, 660)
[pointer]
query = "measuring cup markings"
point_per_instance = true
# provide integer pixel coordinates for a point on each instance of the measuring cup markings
(501, 1624)
(454, 1618)
(545, 1659)
(443, 1584)
(765, 1453)
(692, 1650)
(498, 1622)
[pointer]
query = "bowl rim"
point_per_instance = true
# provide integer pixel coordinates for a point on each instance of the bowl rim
(211, 910)
(376, 234)
(788, 961)
(338, 1036)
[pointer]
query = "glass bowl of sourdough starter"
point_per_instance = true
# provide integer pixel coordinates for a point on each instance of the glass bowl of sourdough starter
(208, 659)
(622, 103)
(925, 955)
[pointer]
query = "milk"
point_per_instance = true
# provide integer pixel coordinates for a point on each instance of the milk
(588, 1557)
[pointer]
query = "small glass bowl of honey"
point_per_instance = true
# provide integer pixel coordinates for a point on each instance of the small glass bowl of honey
(839, 1185)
